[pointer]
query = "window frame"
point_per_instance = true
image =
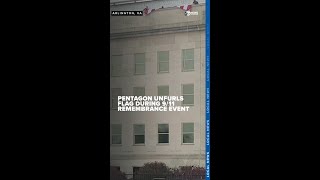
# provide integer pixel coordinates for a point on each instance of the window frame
(158, 62)
(115, 99)
(187, 94)
(144, 90)
(164, 133)
(163, 86)
(112, 134)
(164, 95)
(112, 67)
(135, 64)
(134, 135)
(187, 133)
(183, 60)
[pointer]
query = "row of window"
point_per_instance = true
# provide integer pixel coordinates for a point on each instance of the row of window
(187, 93)
(162, 64)
(163, 134)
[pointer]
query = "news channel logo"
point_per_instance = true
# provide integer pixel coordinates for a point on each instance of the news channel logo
(189, 13)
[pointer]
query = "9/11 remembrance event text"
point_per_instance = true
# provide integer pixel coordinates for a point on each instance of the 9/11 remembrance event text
(151, 103)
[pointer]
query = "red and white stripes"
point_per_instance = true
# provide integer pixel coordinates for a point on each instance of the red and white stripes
(147, 11)
(186, 7)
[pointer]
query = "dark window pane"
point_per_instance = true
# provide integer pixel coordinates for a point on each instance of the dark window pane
(116, 139)
(139, 139)
(116, 128)
(114, 103)
(163, 67)
(163, 128)
(163, 90)
(115, 65)
(163, 56)
(139, 58)
(188, 127)
(116, 92)
(188, 99)
(188, 65)
(163, 138)
(188, 53)
(138, 129)
(138, 91)
(140, 69)
(188, 138)
(188, 89)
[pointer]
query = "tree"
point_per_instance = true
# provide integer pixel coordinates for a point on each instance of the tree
(190, 173)
(154, 168)
(190, 170)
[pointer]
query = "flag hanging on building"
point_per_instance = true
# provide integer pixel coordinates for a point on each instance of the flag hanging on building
(186, 7)
(147, 11)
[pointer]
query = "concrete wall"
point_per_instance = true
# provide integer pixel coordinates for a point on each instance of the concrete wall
(162, 18)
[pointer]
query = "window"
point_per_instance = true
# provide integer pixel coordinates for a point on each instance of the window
(116, 130)
(163, 61)
(138, 130)
(187, 133)
(163, 90)
(188, 94)
(187, 60)
(115, 66)
(138, 91)
(115, 92)
(163, 133)
(139, 63)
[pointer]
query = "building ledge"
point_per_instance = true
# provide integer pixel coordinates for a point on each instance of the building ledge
(161, 31)
(156, 156)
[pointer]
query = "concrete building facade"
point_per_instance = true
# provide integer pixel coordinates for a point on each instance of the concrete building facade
(162, 53)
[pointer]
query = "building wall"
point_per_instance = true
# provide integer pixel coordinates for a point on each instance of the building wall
(161, 18)
(175, 153)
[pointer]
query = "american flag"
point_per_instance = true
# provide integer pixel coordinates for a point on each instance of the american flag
(186, 7)
(147, 11)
